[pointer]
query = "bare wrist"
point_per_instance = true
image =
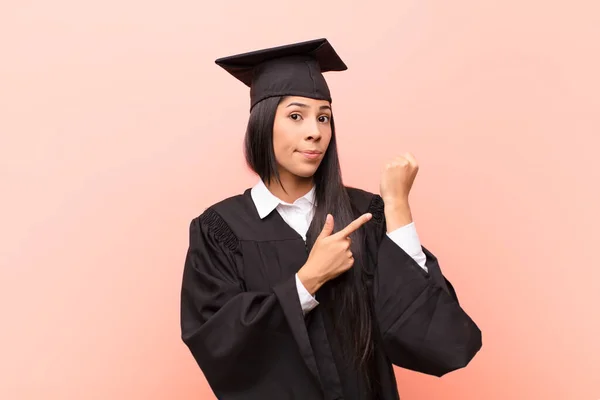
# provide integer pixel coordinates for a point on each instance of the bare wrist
(397, 213)
(310, 281)
(395, 201)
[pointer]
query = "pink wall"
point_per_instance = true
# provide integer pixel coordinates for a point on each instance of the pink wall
(117, 129)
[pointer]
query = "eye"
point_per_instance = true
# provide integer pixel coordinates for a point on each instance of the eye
(324, 119)
(296, 116)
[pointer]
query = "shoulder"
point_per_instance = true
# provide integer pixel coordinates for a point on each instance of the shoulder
(219, 220)
(229, 208)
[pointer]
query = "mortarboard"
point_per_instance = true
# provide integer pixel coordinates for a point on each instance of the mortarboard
(289, 70)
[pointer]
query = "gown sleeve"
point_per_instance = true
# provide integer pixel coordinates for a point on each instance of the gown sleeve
(226, 328)
(423, 326)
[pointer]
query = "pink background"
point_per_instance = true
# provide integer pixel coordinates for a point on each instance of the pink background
(117, 129)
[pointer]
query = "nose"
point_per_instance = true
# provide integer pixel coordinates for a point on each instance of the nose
(313, 132)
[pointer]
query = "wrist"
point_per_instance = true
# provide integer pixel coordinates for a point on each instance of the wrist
(397, 213)
(393, 202)
(311, 282)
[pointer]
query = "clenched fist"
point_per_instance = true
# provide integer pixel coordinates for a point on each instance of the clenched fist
(397, 178)
(396, 182)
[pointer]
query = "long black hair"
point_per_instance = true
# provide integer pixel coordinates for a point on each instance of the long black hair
(350, 305)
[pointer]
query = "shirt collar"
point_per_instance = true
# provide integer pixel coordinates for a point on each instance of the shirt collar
(265, 201)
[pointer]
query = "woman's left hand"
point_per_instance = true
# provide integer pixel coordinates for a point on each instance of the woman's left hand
(396, 182)
(397, 179)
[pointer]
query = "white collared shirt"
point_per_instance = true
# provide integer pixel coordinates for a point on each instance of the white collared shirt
(299, 214)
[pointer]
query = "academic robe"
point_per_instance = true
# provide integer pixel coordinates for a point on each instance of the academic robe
(242, 320)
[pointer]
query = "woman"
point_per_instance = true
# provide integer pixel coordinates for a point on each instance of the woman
(302, 288)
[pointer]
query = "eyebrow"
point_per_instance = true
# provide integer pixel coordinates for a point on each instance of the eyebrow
(305, 106)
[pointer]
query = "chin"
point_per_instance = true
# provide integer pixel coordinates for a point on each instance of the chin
(305, 173)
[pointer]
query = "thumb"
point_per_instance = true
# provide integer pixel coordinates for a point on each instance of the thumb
(327, 228)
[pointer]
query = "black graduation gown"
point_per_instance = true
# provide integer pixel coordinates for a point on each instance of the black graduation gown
(242, 320)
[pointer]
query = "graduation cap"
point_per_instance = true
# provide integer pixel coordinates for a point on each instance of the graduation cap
(288, 70)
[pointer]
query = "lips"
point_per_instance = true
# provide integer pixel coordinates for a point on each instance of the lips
(311, 154)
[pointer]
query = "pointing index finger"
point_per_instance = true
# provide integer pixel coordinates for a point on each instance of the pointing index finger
(355, 225)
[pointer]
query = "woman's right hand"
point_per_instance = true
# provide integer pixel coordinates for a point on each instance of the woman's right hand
(330, 255)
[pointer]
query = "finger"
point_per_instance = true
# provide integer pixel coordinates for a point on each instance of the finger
(400, 161)
(327, 227)
(355, 225)
(411, 159)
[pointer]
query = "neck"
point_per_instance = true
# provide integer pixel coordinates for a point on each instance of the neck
(295, 187)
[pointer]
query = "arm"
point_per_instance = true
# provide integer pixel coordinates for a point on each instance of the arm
(407, 239)
(422, 324)
(221, 323)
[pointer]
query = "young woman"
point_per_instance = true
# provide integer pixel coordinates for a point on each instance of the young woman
(301, 287)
